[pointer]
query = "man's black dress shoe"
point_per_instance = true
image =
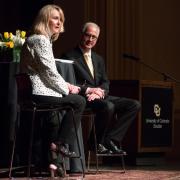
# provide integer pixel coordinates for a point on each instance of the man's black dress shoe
(102, 150)
(111, 146)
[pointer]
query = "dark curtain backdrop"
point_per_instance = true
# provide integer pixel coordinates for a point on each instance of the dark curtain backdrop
(19, 14)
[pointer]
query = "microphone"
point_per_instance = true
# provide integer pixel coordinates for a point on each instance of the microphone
(137, 59)
(129, 56)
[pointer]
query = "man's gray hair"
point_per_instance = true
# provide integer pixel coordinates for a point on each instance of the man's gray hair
(87, 24)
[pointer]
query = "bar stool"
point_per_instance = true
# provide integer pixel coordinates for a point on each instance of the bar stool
(89, 113)
(25, 103)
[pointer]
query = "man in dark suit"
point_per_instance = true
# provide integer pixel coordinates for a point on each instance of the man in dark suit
(114, 115)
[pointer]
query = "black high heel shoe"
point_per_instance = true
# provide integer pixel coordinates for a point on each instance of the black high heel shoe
(62, 149)
(56, 167)
(56, 171)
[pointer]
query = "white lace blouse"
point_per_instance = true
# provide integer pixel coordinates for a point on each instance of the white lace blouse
(38, 61)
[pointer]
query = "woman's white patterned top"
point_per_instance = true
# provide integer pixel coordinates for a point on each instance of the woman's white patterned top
(38, 61)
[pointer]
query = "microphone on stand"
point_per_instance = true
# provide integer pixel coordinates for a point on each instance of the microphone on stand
(137, 59)
(131, 57)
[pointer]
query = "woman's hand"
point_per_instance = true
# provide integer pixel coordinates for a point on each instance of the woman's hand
(73, 89)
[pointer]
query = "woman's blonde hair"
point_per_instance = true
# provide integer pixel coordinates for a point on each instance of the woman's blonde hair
(41, 25)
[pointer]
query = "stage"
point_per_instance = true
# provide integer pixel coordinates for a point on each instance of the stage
(167, 171)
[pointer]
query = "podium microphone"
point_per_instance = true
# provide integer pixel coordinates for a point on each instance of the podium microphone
(138, 60)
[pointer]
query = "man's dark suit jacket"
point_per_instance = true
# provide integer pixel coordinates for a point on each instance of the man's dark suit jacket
(83, 75)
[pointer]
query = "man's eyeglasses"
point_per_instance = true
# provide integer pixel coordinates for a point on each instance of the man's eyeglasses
(90, 36)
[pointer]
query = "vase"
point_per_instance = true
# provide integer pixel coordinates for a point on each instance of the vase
(16, 55)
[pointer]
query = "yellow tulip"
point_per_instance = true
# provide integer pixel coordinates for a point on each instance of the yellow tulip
(10, 44)
(10, 35)
(23, 34)
(6, 35)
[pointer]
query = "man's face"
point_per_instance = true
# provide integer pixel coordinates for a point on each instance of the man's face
(89, 37)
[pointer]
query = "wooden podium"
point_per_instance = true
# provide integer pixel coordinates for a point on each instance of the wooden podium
(152, 131)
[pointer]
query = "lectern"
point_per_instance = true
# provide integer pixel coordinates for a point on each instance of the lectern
(152, 131)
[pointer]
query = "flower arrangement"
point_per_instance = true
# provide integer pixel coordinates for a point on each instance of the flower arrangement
(10, 45)
(8, 40)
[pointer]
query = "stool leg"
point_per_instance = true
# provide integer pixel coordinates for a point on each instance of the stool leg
(63, 158)
(31, 143)
(12, 156)
(89, 159)
(14, 141)
(123, 163)
(77, 138)
(95, 142)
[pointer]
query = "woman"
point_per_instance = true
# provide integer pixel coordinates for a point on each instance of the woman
(38, 61)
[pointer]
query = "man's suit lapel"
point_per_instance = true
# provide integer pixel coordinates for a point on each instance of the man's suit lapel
(81, 59)
(85, 70)
(84, 64)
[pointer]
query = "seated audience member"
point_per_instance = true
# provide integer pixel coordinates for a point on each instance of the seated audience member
(114, 115)
(37, 60)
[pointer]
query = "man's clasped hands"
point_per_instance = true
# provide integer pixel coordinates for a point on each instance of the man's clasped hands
(91, 93)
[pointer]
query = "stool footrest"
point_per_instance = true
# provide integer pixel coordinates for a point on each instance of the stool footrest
(111, 155)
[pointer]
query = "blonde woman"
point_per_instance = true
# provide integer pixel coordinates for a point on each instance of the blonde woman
(38, 61)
